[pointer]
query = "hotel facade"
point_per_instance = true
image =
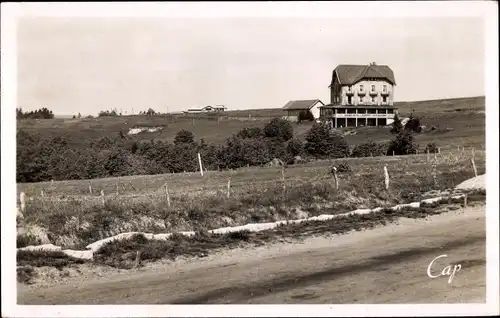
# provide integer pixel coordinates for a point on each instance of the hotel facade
(360, 95)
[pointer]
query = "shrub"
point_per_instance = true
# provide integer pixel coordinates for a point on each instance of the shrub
(279, 128)
(250, 133)
(184, 137)
(369, 149)
(413, 124)
(404, 144)
(305, 115)
(294, 147)
(321, 142)
(431, 148)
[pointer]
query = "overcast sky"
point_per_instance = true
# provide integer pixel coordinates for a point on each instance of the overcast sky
(90, 64)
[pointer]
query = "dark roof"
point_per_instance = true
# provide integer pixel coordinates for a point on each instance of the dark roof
(301, 104)
(351, 74)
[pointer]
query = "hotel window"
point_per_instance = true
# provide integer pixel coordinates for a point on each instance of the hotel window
(384, 99)
(361, 100)
(373, 88)
(385, 88)
(361, 88)
(373, 99)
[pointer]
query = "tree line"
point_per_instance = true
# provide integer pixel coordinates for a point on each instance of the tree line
(43, 159)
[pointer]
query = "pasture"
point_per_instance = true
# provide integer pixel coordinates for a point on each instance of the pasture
(458, 122)
(73, 217)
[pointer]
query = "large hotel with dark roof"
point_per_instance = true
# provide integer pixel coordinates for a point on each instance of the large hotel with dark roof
(360, 95)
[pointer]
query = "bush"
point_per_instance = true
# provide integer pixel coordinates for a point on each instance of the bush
(294, 147)
(184, 137)
(250, 133)
(321, 142)
(369, 149)
(279, 128)
(413, 124)
(404, 144)
(305, 115)
(431, 148)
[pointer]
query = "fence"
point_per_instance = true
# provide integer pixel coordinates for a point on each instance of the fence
(229, 183)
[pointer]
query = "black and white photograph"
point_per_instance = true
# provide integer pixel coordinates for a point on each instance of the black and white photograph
(322, 154)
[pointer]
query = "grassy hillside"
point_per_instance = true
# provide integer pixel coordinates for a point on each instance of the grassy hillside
(459, 121)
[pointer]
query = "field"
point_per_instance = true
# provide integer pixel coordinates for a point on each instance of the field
(72, 217)
(75, 213)
(459, 122)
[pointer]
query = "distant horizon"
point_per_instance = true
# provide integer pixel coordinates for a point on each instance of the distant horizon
(60, 115)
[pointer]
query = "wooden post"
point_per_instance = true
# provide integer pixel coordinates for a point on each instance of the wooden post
(41, 193)
(90, 187)
(386, 176)
(117, 189)
(335, 178)
(283, 180)
(201, 167)
(439, 150)
(434, 174)
(428, 154)
(228, 187)
(137, 259)
(102, 197)
(393, 153)
(167, 194)
(435, 157)
(465, 200)
(22, 200)
(473, 153)
(474, 167)
(52, 182)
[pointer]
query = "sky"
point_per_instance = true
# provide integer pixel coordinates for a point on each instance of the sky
(85, 65)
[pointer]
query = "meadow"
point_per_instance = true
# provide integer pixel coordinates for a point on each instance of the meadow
(70, 216)
(458, 122)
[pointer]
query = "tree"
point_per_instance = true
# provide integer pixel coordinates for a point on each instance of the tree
(150, 112)
(279, 128)
(184, 137)
(321, 142)
(305, 115)
(369, 149)
(413, 124)
(79, 115)
(403, 144)
(397, 126)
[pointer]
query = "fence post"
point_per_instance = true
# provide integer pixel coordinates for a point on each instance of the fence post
(201, 167)
(42, 194)
(428, 155)
(473, 152)
(117, 188)
(335, 178)
(167, 194)
(22, 200)
(474, 167)
(102, 197)
(386, 176)
(228, 187)
(283, 180)
(90, 187)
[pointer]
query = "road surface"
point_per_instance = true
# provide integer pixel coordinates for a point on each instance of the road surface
(384, 265)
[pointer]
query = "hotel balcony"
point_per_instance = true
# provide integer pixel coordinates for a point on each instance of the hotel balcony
(361, 93)
(349, 92)
(373, 93)
(385, 93)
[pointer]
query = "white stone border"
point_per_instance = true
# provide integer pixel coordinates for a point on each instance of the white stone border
(252, 227)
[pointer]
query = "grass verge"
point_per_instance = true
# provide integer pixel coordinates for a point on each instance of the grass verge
(137, 250)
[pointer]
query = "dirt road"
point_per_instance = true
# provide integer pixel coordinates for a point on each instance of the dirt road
(384, 265)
